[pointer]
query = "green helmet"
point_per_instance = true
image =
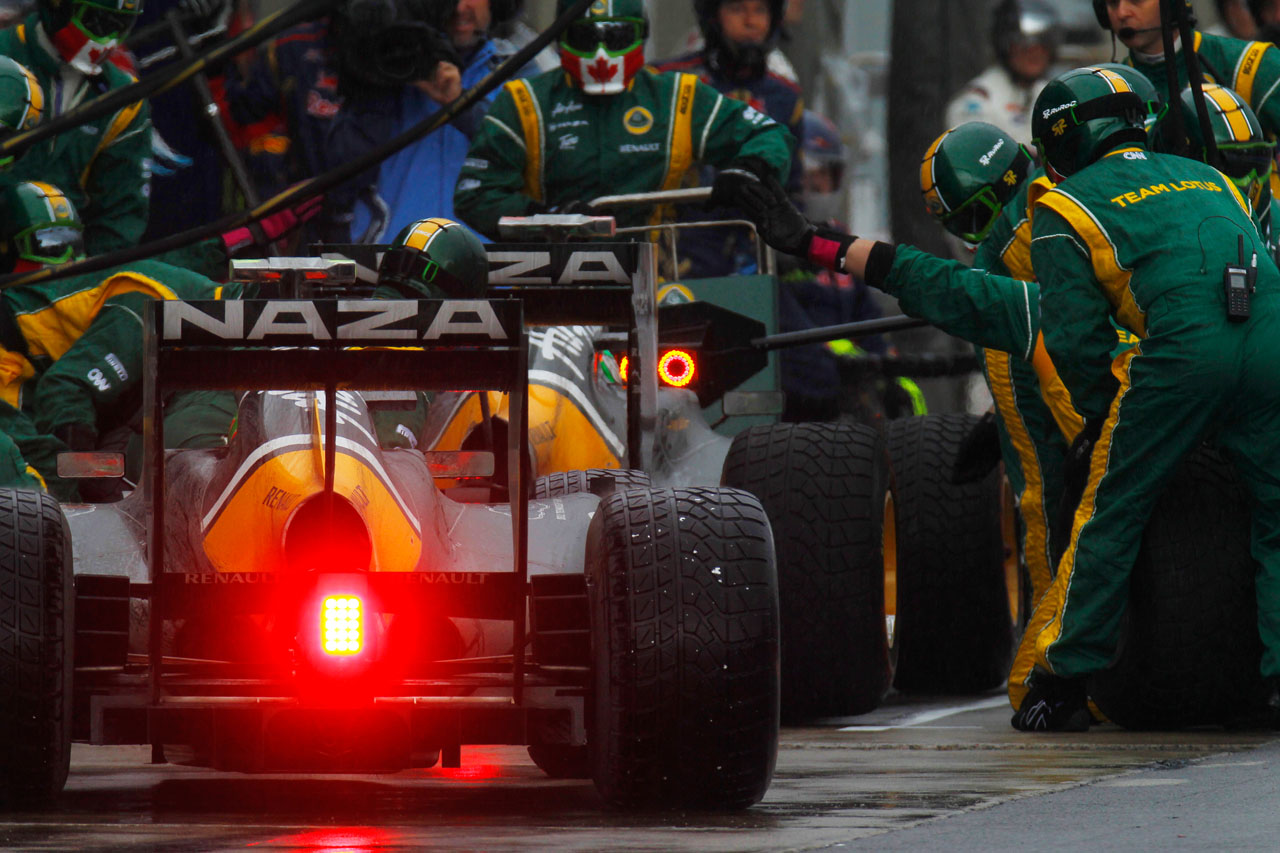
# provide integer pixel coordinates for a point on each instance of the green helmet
(1082, 114)
(434, 258)
(40, 226)
(606, 9)
(969, 174)
(21, 98)
(1144, 88)
(1245, 155)
(603, 51)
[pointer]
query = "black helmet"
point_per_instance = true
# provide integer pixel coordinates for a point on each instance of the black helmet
(736, 61)
(1016, 22)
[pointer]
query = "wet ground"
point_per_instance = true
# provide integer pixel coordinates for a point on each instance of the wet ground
(844, 784)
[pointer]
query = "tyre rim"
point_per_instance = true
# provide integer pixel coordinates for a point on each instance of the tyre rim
(890, 550)
(1009, 541)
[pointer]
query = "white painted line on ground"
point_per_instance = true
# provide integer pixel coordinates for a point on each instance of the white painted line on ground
(919, 720)
(1142, 783)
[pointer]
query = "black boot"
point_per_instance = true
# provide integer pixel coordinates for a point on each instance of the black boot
(1053, 704)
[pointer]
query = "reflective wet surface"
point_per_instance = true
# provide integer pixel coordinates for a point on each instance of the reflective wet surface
(909, 762)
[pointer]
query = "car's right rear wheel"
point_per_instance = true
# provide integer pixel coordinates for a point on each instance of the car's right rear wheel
(682, 593)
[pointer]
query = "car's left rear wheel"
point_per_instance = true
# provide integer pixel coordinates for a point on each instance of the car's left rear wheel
(36, 635)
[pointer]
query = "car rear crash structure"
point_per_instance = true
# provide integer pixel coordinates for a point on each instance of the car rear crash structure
(305, 600)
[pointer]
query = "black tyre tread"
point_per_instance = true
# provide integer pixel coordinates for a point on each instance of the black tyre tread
(954, 630)
(823, 487)
(561, 760)
(1190, 649)
(683, 595)
(576, 482)
(36, 630)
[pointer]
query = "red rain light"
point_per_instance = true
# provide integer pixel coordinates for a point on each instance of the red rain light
(676, 368)
(341, 625)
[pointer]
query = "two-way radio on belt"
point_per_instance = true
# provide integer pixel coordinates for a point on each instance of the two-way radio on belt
(314, 186)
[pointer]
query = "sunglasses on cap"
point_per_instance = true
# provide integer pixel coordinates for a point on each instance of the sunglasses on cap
(101, 23)
(617, 35)
(50, 243)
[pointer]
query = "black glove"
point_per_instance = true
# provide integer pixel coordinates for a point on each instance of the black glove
(1053, 704)
(979, 452)
(763, 201)
(79, 438)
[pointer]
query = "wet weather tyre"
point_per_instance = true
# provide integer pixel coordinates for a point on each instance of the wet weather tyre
(562, 760)
(36, 630)
(682, 593)
(823, 487)
(955, 623)
(577, 482)
(1189, 648)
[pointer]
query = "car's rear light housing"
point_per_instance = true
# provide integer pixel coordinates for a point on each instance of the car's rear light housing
(676, 367)
(342, 631)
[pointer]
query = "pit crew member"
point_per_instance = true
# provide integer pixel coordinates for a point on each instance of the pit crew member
(100, 165)
(422, 176)
(1245, 155)
(604, 124)
(1153, 241)
(1026, 35)
(1251, 69)
(71, 350)
(738, 36)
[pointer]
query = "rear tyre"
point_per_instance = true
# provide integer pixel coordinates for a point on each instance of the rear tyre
(682, 592)
(823, 486)
(577, 482)
(1189, 650)
(36, 631)
(959, 589)
(562, 760)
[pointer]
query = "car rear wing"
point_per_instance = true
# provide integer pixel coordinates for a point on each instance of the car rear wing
(327, 345)
(592, 283)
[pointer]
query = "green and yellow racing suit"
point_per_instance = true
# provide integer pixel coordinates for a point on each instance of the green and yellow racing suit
(100, 165)
(545, 143)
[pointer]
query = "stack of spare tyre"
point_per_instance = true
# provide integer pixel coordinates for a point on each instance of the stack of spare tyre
(891, 575)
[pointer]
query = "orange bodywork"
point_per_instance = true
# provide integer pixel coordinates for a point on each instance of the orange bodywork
(562, 438)
(253, 520)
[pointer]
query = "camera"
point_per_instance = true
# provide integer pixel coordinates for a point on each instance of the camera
(385, 44)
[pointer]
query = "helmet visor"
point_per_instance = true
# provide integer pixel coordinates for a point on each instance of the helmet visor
(972, 221)
(617, 36)
(101, 23)
(1251, 159)
(50, 243)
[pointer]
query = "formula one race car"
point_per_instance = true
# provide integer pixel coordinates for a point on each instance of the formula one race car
(306, 600)
(936, 609)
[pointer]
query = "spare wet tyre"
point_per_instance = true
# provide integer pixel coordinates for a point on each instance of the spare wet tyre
(960, 588)
(1189, 649)
(823, 486)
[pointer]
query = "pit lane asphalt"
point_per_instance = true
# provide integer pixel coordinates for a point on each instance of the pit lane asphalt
(880, 781)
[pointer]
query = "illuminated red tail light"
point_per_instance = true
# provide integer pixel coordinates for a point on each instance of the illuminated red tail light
(341, 625)
(676, 368)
